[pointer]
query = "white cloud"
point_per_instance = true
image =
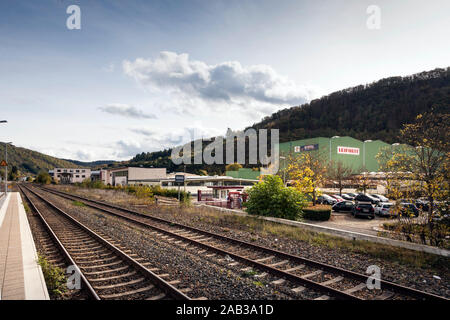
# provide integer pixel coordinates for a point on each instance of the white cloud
(194, 83)
(126, 111)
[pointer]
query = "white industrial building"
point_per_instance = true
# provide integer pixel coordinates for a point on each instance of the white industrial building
(70, 175)
(132, 175)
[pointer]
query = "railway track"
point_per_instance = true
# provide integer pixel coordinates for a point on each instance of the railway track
(332, 281)
(106, 271)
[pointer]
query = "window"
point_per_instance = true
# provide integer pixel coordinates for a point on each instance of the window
(83, 170)
(59, 170)
(77, 171)
(83, 176)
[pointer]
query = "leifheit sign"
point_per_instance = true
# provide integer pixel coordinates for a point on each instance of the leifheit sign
(348, 150)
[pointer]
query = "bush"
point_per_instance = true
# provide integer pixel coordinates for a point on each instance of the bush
(44, 178)
(171, 193)
(271, 198)
(317, 214)
(54, 278)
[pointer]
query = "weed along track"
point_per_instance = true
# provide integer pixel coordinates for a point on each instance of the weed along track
(294, 275)
(105, 270)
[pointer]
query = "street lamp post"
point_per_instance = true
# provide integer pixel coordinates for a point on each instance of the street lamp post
(330, 144)
(284, 170)
(6, 167)
(364, 153)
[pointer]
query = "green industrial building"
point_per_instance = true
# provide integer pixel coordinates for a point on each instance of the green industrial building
(359, 155)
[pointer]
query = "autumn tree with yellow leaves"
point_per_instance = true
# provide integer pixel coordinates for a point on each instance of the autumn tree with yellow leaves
(421, 166)
(308, 172)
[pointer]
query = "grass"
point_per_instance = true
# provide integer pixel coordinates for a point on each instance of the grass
(78, 203)
(54, 278)
(26, 207)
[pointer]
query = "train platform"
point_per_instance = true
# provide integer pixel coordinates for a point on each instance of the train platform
(21, 277)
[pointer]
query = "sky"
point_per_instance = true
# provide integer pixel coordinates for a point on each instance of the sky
(141, 76)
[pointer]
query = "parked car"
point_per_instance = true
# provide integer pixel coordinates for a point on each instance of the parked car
(346, 206)
(326, 199)
(422, 204)
(366, 198)
(363, 209)
(337, 197)
(384, 209)
(407, 208)
(347, 196)
(378, 196)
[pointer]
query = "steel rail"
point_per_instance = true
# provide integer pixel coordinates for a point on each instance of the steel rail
(61, 248)
(152, 277)
(351, 274)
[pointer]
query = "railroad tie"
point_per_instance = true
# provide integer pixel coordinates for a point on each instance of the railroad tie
(158, 297)
(295, 268)
(261, 275)
(356, 288)
(128, 293)
(278, 263)
(331, 281)
(279, 281)
(312, 274)
(385, 295)
(298, 289)
(324, 297)
(264, 259)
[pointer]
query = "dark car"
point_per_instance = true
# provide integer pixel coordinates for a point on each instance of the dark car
(326, 199)
(346, 196)
(363, 209)
(346, 206)
(407, 208)
(422, 204)
(366, 198)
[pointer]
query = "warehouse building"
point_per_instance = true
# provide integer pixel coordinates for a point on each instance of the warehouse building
(359, 155)
(132, 176)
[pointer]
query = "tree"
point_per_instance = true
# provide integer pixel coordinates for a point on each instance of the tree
(271, 198)
(339, 172)
(307, 172)
(44, 178)
(421, 168)
(233, 167)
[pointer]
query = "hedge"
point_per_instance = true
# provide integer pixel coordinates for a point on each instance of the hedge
(317, 214)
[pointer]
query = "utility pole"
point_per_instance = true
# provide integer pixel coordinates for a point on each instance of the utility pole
(330, 145)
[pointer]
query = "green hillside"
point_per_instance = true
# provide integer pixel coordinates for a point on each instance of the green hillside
(31, 162)
(375, 111)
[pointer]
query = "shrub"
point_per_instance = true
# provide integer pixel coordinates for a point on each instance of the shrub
(54, 278)
(317, 214)
(171, 193)
(44, 178)
(271, 198)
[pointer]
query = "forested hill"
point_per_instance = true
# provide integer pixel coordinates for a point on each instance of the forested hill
(28, 161)
(374, 111)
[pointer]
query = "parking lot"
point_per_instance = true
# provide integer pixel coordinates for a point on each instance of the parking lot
(345, 221)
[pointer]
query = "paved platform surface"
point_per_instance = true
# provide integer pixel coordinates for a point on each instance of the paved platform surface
(21, 277)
